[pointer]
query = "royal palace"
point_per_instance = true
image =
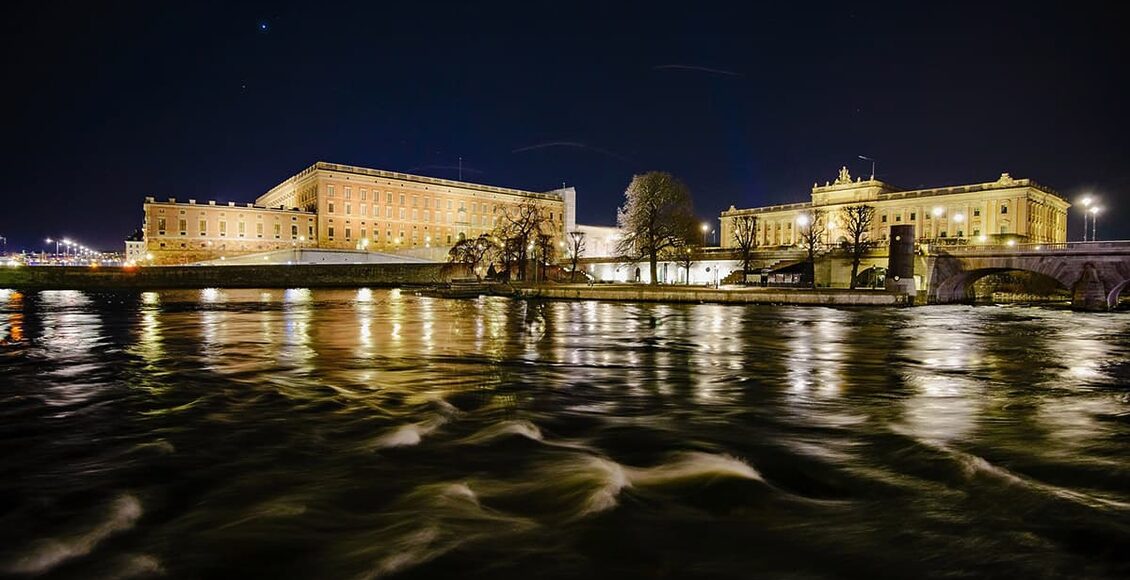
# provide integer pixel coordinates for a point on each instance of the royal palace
(1020, 210)
(332, 206)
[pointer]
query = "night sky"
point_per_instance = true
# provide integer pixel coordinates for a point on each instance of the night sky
(748, 104)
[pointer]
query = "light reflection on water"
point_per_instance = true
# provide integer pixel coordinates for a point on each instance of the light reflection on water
(361, 433)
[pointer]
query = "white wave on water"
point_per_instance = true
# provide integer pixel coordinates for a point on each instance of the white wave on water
(137, 566)
(972, 466)
(588, 484)
(410, 434)
(433, 520)
(43, 555)
(521, 428)
(693, 466)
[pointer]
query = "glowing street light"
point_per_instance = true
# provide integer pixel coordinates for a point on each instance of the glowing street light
(705, 231)
(1086, 202)
(802, 220)
(1094, 222)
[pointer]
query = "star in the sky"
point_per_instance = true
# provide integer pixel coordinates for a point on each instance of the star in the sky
(264, 26)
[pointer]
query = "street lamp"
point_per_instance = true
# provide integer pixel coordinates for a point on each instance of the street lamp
(865, 158)
(705, 231)
(1094, 222)
(1086, 201)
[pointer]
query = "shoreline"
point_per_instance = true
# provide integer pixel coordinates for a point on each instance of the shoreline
(703, 294)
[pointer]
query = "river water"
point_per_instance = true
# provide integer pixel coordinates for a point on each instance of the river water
(375, 433)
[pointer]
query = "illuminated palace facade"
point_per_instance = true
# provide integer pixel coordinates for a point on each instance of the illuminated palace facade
(332, 206)
(1005, 210)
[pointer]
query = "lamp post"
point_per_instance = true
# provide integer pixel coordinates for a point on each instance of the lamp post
(1086, 201)
(1094, 222)
(865, 158)
(705, 231)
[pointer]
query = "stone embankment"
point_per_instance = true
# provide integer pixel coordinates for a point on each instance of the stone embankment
(286, 276)
(645, 293)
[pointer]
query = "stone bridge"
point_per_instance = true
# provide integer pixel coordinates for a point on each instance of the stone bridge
(1094, 272)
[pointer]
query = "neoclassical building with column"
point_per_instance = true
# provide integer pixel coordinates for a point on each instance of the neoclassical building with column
(1005, 210)
(344, 207)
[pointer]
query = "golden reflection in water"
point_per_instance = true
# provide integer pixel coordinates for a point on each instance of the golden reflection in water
(12, 330)
(816, 353)
(396, 306)
(363, 304)
(295, 346)
(944, 402)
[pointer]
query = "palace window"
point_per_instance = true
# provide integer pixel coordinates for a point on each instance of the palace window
(348, 192)
(330, 207)
(1004, 209)
(293, 231)
(330, 231)
(401, 213)
(402, 199)
(259, 229)
(348, 233)
(278, 230)
(329, 191)
(348, 208)
(242, 229)
(362, 195)
(223, 227)
(203, 227)
(161, 225)
(183, 227)
(977, 212)
(883, 218)
(976, 233)
(913, 216)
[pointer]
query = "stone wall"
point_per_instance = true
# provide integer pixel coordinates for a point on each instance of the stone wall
(295, 276)
(646, 293)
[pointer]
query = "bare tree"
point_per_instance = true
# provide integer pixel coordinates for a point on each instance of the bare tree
(857, 223)
(813, 225)
(743, 228)
(472, 251)
(518, 233)
(657, 215)
(576, 249)
(683, 255)
(545, 251)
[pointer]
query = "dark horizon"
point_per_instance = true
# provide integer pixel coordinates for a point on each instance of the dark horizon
(748, 105)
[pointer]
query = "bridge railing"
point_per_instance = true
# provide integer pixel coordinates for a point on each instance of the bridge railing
(1116, 246)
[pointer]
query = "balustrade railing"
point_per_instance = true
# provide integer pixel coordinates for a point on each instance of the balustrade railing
(1033, 248)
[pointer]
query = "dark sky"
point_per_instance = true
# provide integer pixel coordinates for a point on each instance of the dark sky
(748, 104)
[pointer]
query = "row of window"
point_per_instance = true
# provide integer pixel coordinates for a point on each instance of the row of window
(389, 197)
(241, 228)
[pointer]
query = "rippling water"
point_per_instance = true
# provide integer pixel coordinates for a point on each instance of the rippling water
(364, 434)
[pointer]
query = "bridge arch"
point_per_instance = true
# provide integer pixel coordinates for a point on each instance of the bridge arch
(1116, 292)
(1096, 274)
(962, 287)
(953, 278)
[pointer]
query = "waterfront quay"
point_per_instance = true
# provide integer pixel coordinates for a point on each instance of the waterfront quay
(723, 295)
